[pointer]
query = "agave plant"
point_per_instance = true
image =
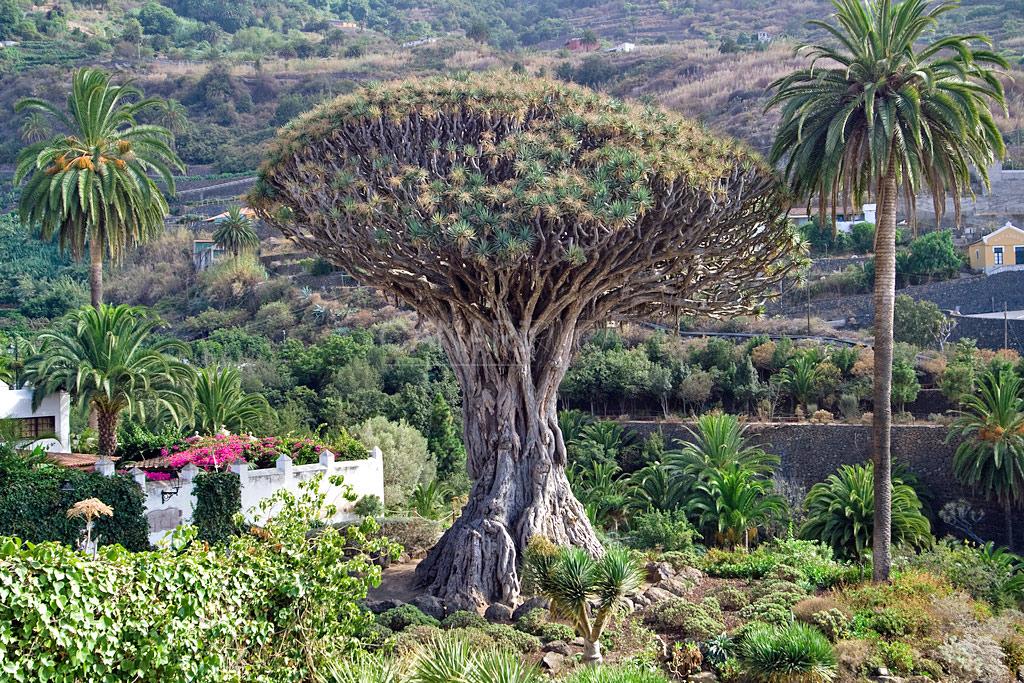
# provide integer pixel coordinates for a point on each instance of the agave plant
(990, 456)
(586, 591)
(840, 512)
(795, 654)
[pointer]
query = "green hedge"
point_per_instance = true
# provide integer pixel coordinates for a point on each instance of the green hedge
(273, 606)
(33, 507)
(218, 498)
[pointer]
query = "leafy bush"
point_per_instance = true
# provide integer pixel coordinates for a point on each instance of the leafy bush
(811, 559)
(668, 531)
(986, 572)
(795, 654)
(369, 506)
(730, 598)
(506, 637)
(179, 616)
(463, 619)
(402, 617)
(218, 498)
(412, 533)
(34, 508)
(407, 461)
(536, 622)
(698, 621)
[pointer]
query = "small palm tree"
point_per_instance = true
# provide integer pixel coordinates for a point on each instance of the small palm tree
(735, 501)
(35, 128)
(92, 185)
(585, 591)
(654, 488)
(841, 512)
(220, 402)
(235, 233)
(990, 456)
(881, 111)
(719, 441)
(109, 360)
(172, 115)
(800, 379)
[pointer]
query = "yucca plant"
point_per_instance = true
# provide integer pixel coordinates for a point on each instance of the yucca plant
(91, 184)
(796, 654)
(619, 673)
(235, 233)
(841, 512)
(887, 107)
(990, 456)
(108, 358)
(587, 592)
(487, 215)
(220, 403)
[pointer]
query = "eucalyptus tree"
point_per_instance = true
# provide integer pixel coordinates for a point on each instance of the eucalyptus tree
(109, 359)
(90, 184)
(880, 111)
(516, 215)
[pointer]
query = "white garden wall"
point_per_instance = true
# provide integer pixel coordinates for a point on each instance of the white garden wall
(171, 503)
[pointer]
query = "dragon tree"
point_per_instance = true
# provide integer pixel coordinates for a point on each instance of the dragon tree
(516, 215)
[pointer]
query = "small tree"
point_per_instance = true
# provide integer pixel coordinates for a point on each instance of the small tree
(920, 323)
(516, 215)
(585, 591)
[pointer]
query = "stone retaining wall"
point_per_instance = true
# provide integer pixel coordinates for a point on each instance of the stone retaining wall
(811, 452)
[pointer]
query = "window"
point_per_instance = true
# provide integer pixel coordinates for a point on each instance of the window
(1018, 255)
(36, 427)
(997, 253)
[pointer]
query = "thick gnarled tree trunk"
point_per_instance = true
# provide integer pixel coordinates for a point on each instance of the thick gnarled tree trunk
(884, 300)
(516, 460)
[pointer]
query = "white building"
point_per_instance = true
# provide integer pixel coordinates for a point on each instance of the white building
(622, 47)
(48, 426)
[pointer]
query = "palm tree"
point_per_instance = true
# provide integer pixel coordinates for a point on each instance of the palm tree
(172, 115)
(91, 185)
(990, 457)
(800, 379)
(235, 233)
(585, 591)
(878, 113)
(221, 403)
(734, 501)
(35, 128)
(718, 442)
(107, 358)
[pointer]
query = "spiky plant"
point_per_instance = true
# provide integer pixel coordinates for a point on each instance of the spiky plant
(885, 108)
(517, 214)
(734, 501)
(585, 591)
(92, 184)
(990, 455)
(236, 234)
(220, 403)
(796, 654)
(109, 359)
(718, 441)
(841, 512)
(800, 379)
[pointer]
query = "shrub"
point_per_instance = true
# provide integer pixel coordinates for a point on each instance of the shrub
(698, 621)
(634, 641)
(412, 533)
(218, 498)
(552, 631)
(796, 654)
(620, 673)
(179, 616)
(369, 506)
(834, 623)
(463, 619)
(898, 657)
(508, 638)
(406, 459)
(402, 617)
(811, 559)
(986, 572)
(667, 531)
(34, 508)
(730, 598)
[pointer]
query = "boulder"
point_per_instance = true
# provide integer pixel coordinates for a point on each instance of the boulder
(529, 604)
(553, 662)
(702, 677)
(691, 574)
(655, 595)
(560, 647)
(498, 612)
(430, 606)
(676, 586)
(659, 571)
(378, 606)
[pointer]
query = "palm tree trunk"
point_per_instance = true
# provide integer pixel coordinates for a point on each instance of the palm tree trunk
(96, 271)
(108, 431)
(1008, 510)
(884, 300)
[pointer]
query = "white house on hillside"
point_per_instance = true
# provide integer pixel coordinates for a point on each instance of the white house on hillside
(48, 426)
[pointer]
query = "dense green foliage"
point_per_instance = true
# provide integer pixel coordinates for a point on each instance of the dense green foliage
(178, 617)
(36, 280)
(33, 505)
(796, 653)
(218, 500)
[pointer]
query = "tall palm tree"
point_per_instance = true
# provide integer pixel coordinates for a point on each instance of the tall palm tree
(221, 403)
(235, 233)
(880, 111)
(990, 456)
(108, 358)
(91, 184)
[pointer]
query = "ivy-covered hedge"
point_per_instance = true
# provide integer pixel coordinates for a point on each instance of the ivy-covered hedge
(218, 498)
(271, 607)
(33, 506)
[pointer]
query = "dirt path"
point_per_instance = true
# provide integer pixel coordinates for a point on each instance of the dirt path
(398, 583)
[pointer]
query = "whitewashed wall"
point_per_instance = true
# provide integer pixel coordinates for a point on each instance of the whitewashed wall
(17, 403)
(365, 477)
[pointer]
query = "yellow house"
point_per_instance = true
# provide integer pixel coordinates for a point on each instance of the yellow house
(1001, 249)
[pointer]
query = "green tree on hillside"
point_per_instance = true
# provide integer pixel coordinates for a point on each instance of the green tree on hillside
(882, 111)
(109, 359)
(236, 234)
(91, 184)
(219, 402)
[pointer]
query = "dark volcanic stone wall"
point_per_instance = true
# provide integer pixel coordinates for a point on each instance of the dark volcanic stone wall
(811, 452)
